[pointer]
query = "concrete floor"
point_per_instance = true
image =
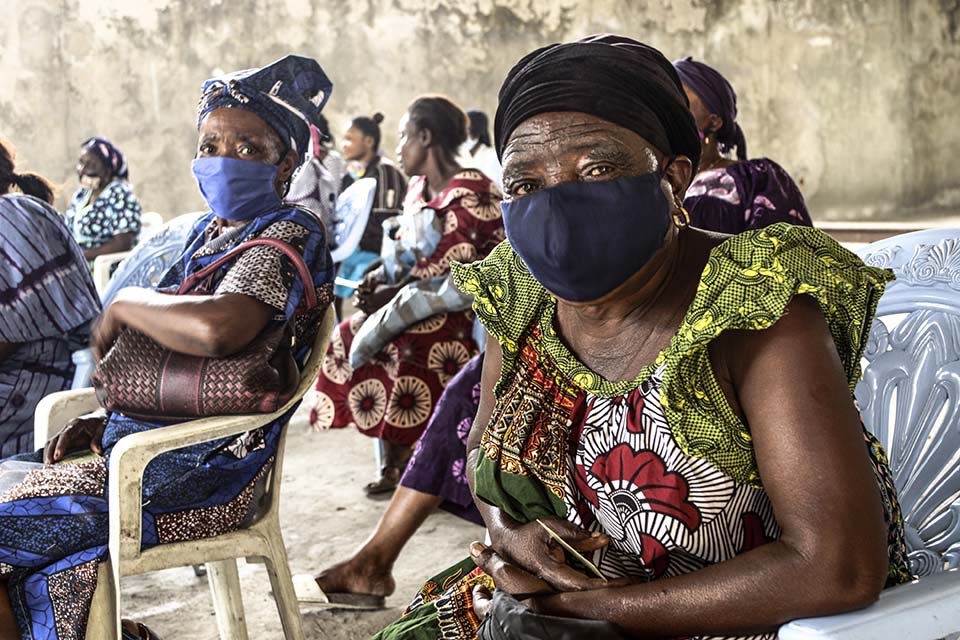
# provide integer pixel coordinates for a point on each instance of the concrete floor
(325, 516)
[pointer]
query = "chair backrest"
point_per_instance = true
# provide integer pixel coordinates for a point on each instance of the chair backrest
(150, 222)
(151, 258)
(910, 392)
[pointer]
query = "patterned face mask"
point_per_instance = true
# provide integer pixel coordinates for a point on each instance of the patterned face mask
(582, 240)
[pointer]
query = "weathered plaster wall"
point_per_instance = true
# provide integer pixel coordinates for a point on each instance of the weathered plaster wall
(858, 99)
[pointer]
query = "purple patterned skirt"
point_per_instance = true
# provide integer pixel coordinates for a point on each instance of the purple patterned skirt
(439, 461)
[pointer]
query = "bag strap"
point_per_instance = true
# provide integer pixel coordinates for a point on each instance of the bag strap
(286, 248)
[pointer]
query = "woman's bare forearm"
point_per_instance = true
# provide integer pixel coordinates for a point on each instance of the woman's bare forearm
(753, 593)
(198, 325)
(122, 242)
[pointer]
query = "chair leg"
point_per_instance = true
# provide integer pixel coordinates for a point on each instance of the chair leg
(227, 599)
(102, 622)
(281, 580)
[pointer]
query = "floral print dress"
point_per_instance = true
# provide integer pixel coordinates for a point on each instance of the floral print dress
(393, 396)
(660, 463)
(115, 211)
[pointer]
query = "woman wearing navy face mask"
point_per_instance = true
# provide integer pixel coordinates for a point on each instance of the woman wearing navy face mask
(253, 132)
(674, 404)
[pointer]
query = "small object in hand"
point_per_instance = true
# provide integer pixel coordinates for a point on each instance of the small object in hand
(576, 554)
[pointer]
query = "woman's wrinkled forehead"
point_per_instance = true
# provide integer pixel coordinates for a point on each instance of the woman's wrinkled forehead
(550, 137)
(239, 123)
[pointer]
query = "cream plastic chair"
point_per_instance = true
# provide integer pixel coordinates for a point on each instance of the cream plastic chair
(103, 265)
(150, 221)
(262, 539)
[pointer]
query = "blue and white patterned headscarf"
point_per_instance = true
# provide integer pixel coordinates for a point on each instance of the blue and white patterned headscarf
(287, 94)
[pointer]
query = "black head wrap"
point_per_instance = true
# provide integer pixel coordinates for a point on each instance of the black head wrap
(612, 77)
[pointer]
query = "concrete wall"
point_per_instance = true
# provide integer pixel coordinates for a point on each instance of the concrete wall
(857, 99)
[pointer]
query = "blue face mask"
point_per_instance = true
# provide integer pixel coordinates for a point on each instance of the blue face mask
(582, 240)
(238, 190)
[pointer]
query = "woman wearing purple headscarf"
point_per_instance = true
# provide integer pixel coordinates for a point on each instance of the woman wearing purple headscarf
(731, 196)
(104, 214)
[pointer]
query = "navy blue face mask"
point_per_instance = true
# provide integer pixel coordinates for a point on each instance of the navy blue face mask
(238, 190)
(582, 240)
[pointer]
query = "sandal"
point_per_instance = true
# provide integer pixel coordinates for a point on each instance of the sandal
(143, 631)
(309, 593)
(389, 479)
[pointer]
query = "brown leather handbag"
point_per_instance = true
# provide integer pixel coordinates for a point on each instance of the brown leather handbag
(142, 379)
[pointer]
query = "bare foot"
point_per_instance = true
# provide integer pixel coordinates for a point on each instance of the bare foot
(353, 576)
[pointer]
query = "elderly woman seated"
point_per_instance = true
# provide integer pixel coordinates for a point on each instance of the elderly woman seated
(104, 213)
(253, 132)
(675, 404)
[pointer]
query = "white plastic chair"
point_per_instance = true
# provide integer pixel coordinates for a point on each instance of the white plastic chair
(150, 221)
(150, 258)
(262, 539)
(103, 266)
(910, 399)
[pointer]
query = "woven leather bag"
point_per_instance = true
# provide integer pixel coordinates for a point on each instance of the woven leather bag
(142, 379)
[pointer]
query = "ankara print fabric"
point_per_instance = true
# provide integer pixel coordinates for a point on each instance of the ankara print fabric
(53, 525)
(393, 396)
(115, 211)
(469, 207)
(751, 194)
(656, 463)
(438, 465)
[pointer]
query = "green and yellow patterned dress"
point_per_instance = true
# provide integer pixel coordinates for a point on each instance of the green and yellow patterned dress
(660, 463)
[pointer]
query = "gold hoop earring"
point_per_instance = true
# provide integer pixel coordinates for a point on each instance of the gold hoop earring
(681, 218)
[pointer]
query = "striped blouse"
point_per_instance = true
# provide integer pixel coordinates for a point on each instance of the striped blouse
(47, 300)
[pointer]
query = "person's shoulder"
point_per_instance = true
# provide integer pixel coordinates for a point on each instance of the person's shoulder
(763, 169)
(469, 182)
(293, 214)
(473, 178)
(119, 186)
(780, 240)
(386, 166)
(21, 206)
(31, 216)
(292, 224)
(507, 298)
(492, 277)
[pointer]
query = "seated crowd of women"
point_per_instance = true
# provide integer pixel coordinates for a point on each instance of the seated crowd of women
(595, 348)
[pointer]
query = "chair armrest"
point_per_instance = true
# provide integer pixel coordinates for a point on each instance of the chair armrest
(57, 409)
(131, 455)
(101, 268)
(924, 609)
